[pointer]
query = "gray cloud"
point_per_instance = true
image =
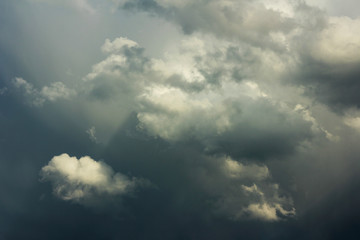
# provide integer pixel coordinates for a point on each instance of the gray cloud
(329, 60)
(326, 46)
(225, 114)
(246, 120)
(92, 134)
(243, 190)
(35, 97)
(245, 20)
(80, 5)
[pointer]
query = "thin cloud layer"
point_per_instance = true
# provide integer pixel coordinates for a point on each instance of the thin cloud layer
(35, 97)
(79, 5)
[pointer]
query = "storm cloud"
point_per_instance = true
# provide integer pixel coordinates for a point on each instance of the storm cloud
(156, 119)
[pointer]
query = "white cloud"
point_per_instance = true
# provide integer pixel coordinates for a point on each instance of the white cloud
(83, 180)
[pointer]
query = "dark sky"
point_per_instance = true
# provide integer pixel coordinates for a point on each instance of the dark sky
(159, 119)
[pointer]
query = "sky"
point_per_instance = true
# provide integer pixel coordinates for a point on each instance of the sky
(169, 119)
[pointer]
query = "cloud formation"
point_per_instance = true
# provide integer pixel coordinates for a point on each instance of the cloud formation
(35, 97)
(245, 20)
(323, 48)
(243, 190)
(195, 102)
(243, 113)
(329, 60)
(85, 180)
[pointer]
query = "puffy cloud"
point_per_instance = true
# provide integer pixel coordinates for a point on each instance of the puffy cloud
(207, 90)
(324, 49)
(85, 180)
(194, 94)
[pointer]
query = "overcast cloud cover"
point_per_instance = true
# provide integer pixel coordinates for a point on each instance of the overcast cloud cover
(169, 119)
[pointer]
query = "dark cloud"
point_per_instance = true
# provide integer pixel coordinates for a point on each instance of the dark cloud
(327, 61)
(243, 20)
(336, 85)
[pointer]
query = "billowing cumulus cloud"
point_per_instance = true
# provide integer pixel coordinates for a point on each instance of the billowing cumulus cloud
(85, 180)
(234, 124)
(224, 112)
(327, 46)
